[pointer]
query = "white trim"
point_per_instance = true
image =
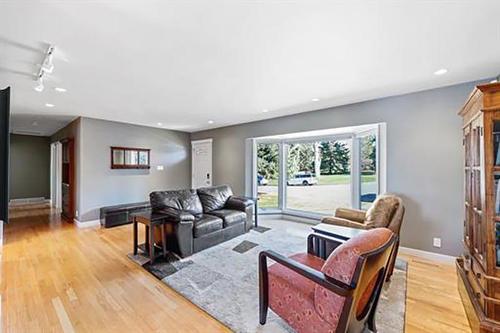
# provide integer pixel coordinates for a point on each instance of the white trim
(382, 158)
(210, 140)
(56, 174)
(355, 176)
(287, 217)
(427, 255)
(87, 224)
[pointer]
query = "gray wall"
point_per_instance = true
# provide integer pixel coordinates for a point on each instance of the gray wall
(101, 186)
(29, 167)
(424, 156)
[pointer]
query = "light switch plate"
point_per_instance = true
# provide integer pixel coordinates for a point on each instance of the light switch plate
(436, 242)
(159, 167)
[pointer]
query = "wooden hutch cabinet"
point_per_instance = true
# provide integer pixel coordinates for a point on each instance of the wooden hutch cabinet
(479, 266)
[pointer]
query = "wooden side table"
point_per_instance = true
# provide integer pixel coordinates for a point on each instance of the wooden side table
(151, 221)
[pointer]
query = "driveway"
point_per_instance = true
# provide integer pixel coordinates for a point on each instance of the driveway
(317, 198)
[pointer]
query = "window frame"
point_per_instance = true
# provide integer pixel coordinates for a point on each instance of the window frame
(378, 130)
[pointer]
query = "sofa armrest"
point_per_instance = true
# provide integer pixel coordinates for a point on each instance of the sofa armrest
(238, 203)
(351, 214)
(177, 215)
(344, 222)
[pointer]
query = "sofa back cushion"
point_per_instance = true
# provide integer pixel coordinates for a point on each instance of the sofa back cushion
(214, 197)
(185, 200)
(381, 212)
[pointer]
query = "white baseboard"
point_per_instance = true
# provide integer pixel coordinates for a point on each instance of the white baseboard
(279, 216)
(403, 250)
(87, 224)
(427, 255)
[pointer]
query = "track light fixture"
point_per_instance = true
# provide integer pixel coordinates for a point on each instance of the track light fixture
(47, 64)
(39, 87)
(47, 67)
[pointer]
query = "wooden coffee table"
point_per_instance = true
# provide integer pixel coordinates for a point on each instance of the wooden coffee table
(336, 231)
(337, 235)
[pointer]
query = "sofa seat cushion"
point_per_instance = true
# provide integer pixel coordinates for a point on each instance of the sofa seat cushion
(290, 291)
(230, 216)
(205, 224)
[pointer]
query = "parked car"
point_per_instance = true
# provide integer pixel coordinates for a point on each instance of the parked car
(304, 178)
(261, 180)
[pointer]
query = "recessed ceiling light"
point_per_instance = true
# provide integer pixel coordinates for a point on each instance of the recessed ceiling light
(160, 124)
(315, 99)
(49, 105)
(441, 71)
(265, 111)
(210, 121)
(60, 89)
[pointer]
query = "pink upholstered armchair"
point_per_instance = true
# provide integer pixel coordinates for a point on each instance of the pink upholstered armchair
(339, 294)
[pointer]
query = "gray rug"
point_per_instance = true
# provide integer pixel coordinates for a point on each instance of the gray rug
(223, 281)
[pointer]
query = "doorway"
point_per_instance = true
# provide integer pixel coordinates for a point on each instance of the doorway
(201, 163)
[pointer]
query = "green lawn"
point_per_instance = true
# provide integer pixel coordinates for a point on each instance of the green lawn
(268, 200)
(334, 179)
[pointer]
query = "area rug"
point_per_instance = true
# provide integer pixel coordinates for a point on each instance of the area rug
(223, 281)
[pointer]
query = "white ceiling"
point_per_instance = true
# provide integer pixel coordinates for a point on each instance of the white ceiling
(183, 63)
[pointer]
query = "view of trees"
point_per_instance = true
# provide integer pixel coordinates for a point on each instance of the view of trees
(368, 154)
(333, 157)
(301, 157)
(268, 160)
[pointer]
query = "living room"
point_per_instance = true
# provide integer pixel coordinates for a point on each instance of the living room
(295, 166)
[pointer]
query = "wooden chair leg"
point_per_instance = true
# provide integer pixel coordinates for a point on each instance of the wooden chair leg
(263, 289)
(163, 240)
(392, 262)
(135, 237)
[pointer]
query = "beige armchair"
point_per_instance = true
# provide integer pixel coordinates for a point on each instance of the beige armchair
(387, 211)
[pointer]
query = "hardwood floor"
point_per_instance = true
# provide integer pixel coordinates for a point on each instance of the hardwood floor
(58, 278)
(432, 300)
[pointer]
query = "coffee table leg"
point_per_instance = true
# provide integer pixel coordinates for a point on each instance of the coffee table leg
(135, 237)
(163, 240)
(146, 244)
(256, 212)
(151, 245)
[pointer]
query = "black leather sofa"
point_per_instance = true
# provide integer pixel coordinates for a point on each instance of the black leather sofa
(198, 219)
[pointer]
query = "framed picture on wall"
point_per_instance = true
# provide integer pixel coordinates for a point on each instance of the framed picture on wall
(130, 158)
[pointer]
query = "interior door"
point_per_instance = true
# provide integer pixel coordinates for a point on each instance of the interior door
(4, 154)
(201, 163)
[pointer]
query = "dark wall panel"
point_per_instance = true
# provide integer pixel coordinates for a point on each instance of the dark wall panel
(4, 153)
